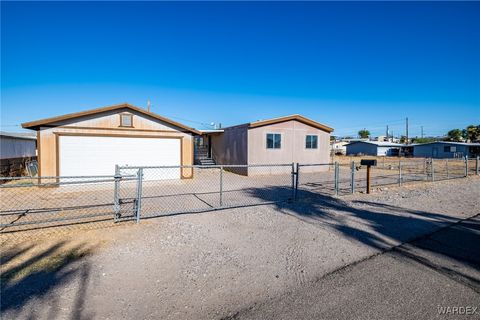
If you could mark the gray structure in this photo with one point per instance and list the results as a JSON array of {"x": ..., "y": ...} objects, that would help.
[
  {"x": 14, "y": 145},
  {"x": 446, "y": 149},
  {"x": 374, "y": 148},
  {"x": 15, "y": 150}
]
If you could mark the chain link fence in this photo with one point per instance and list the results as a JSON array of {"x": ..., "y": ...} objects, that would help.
[
  {"x": 29, "y": 203},
  {"x": 206, "y": 188},
  {"x": 135, "y": 193},
  {"x": 346, "y": 178}
]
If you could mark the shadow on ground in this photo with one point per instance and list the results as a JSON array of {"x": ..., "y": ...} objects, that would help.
[
  {"x": 454, "y": 251},
  {"x": 30, "y": 273}
]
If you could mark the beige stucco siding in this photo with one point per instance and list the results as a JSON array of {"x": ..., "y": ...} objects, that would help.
[
  {"x": 246, "y": 145},
  {"x": 108, "y": 125},
  {"x": 293, "y": 135}
]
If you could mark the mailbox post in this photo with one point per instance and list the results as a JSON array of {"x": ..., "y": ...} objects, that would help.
[{"x": 369, "y": 163}]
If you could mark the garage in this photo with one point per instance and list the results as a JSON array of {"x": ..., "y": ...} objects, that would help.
[
  {"x": 92, "y": 142},
  {"x": 98, "y": 155}
]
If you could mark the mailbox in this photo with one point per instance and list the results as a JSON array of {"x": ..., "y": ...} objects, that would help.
[{"x": 368, "y": 162}]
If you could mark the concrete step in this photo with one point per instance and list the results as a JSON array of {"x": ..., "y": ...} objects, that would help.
[{"x": 206, "y": 162}]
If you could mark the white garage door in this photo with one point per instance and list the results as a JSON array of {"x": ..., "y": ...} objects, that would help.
[{"x": 87, "y": 155}]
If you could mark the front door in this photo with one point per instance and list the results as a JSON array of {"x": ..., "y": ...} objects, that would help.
[
  {"x": 209, "y": 147},
  {"x": 435, "y": 152}
]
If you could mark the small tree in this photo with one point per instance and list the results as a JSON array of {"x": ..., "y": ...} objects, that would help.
[
  {"x": 364, "y": 134},
  {"x": 422, "y": 140},
  {"x": 471, "y": 133},
  {"x": 403, "y": 139},
  {"x": 455, "y": 135}
]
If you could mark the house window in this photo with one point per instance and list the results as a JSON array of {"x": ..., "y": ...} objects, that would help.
[
  {"x": 274, "y": 141},
  {"x": 126, "y": 120},
  {"x": 311, "y": 142},
  {"x": 449, "y": 149}
]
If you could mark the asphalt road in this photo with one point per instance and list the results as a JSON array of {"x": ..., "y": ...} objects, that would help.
[{"x": 434, "y": 277}]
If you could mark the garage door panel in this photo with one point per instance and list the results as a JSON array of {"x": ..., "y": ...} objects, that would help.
[{"x": 88, "y": 155}]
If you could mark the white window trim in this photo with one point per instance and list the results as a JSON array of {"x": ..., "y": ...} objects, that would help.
[
  {"x": 266, "y": 139},
  {"x": 305, "y": 144}
]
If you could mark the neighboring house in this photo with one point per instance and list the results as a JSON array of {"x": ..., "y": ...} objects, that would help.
[
  {"x": 92, "y": 142},
  {"x": 15, "y": 150},
  {"x": 275, "y": 141},
  {"x": 338, "y": 147},
  {"x": 373, "y": 148},
  {"x": 446, "y": 149}
]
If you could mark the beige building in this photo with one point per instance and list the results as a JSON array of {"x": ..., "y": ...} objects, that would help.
[
  {"x": 275, "y": 141},
  {"x": 92, "y": 142}
]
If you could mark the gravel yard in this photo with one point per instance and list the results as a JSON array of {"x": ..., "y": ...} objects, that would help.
[{"x": 210, "y": 265}]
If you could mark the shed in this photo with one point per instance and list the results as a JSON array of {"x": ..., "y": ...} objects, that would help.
[
  {"x": 373, "y": 148},
  {"x": 16, "y": 148},
  {"x": 92, "y": 142}
]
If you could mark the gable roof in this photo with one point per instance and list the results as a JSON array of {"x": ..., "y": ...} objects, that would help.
[
  {"x": 19, "y": 135},
  {"x": 379, "y": 143},
  {"x": 35, "y": 125},
  {"x": 469, "y": 144},
  {"x": 296, "y": 117}
]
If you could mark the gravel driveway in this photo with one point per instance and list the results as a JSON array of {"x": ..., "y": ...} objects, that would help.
[{"x": 210, "y": 265}]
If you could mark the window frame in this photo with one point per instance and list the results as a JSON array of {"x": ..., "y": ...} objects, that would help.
[
  {"x": 311, "y": 147},
  {"x": 122, "y": 122},
  {"x": 274, "y": 141}
]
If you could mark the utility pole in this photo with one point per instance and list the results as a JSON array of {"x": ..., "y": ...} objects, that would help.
[
  {"x": 148, "y": 105},
  {"x": 422, "y": 132},
  {"x": 406, "y": 124},
  {"x": 387, "y": 134}
]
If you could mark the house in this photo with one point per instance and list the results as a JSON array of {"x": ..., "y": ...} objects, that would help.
[
  {"x": 338, "y": 147},
  {"x": 274, "y": 141},
  {"x": 15, "y": 150},
  {"x": 92, "y": 142},
  {"x": 373, "y": 148},
  {"x": 446, "y": 149}
]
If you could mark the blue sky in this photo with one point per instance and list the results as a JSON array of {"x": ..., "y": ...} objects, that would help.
[{"x": 348, "y": 65}]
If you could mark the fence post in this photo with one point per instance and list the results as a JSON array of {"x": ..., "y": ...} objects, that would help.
[
  {"x": 433, "y": 171},
  {"x": 352, "y": 186},
  {"x": 116, "y": 194},
  {"x": 446, "y": 166},
  {"x": 139, "y": 194},
  {"x": 221, "y": 186},
  {"x": 466, "y": 166},
  {"x": 297, "y": 179},
  {"x": 336, "y": 178},
  {"x": 400, "y": 172},
  {"x": 478, "y": 165},
  {"x": 293, "y": 181}
]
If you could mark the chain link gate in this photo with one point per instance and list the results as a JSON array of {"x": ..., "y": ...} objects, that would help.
[
  {"x": 152, "y": 191},
  {"x": 127, "y": 193}
]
